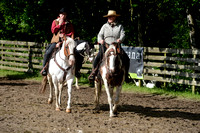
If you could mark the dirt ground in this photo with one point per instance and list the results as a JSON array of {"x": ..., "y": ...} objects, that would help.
[{"x": 23, "y": 109}]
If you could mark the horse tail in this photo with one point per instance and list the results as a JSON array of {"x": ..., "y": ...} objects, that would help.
[{"x": 43, "y": 85}]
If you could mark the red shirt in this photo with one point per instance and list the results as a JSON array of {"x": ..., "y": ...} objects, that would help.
[{"x": 68, "y": 31}]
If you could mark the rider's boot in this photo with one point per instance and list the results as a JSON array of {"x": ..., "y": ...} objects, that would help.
[
  {"x": 44, "y": 71},
  {"x": 45, "y": 64}
]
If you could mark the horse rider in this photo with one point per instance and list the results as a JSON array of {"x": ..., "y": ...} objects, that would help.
[
  {"x": 60, "y": 27},
  {"x": 110, "y": 32}
]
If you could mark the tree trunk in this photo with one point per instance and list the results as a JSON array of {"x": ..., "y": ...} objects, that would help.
[
  {"x": 131, "y": 9},
  {"x": 191, "y": 25},
  {"x": 140, "y": 31}
]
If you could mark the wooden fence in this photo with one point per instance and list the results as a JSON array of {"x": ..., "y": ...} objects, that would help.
[
  {"x": 180, "y": 66},
  {"x": 21, "y": 56}
]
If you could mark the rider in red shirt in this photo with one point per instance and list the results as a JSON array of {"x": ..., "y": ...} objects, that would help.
[{"x": 60, "y": 27}]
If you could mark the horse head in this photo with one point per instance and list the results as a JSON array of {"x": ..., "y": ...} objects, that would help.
[
  {"x": 85, "y": 49},
  {"x": 90, "y": 51},
  {"x": 112, "y": 58},
  {"x": 69, "y": 45}
]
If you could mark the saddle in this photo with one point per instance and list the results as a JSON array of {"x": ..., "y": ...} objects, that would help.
[{"x": 52, "y": 55}]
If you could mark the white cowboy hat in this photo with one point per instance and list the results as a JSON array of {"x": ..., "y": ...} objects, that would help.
[{"x": 111, "y": 13}]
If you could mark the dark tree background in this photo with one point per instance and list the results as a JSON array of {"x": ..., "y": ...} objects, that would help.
[{"x": 152, "y": 23}]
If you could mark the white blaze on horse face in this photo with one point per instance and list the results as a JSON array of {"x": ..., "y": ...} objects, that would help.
[
  {"x": 71, "y": 45},
  {"x": 81, "y": 46},
  {"x": 112, "y": 62},
  {"x": 91, "y": 56}
]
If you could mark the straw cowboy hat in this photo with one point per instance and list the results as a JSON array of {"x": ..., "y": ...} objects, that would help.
[{"x": 111, "y": 13}]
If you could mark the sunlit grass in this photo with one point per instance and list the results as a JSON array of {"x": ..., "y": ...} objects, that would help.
[
  {"x": 160, "y": 91},
  {"x": 20, "y": 75},
  {"x": 127, "y": 87}
]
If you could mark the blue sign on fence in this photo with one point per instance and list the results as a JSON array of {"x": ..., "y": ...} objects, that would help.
[{"x": 135, "y": 55}]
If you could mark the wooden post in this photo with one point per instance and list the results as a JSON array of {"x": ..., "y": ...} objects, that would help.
[
  {"x": 193, "y": 86},
  {"x": 2, "y": 52},
  {"x": 140, "y": 83},
  {"x": 165, "y": 55},
  {"x": 29, "y": 59}
]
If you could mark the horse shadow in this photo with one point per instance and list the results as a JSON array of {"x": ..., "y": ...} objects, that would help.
[
  {"x": 154, "y": 112},
  {"x": 13, "y": 84}
]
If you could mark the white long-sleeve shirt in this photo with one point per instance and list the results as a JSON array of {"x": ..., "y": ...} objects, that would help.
[{"x": 110, "y": 34}]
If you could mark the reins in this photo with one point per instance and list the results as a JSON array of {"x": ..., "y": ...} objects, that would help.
[{"x": 67, "y": 55}]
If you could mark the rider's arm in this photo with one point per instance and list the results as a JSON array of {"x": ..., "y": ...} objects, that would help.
[
  {"x": 55, "y": 28},
  {"x": 122, "y": 34},
  {"x": 101, "y": 35}
]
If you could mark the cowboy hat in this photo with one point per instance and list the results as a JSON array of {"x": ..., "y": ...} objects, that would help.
[
  {"x": 63, "y": 10},
  {"x": 111, "y": 13}
]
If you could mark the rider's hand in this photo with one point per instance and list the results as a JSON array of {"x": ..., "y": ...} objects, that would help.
[
  {"x": 119, "y": 41},
  {"x": 61, "y": 35},
  {"x": 61, "y": 19},
  {"x": 58, "y": 44},
  {"x": 101, "y": 42}
]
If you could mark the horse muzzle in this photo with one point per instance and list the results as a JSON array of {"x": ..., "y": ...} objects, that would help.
[{"x": 71, "y": 60}]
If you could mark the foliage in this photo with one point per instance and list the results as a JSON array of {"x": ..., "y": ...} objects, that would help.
[{"x": 164, "y": 22}]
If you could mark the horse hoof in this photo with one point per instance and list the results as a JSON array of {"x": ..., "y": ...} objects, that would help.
[
  {"x": 58, "y": 109},
  {"x": 68, "y": 110},
  {"x": 113, "y": 115},
  {"x": 115, "y": 112},
  {"x": 50, "y": 101}
]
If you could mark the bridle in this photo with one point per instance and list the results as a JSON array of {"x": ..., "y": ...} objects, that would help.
[
  {"x": 116, "y": 52},
  {"x": 86, "y": 54},
  {"x": 67, "y": 54}
]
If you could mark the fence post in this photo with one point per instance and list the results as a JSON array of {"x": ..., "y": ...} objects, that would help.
[
  {"x": 30, "y": 70},
  {"x": 2, "y": 52},
  {"x": 165, "y": 55},
  {"x": 193, "y": 79}
]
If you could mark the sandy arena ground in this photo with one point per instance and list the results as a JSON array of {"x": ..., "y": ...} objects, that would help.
[{"x": 23, "y": 109}]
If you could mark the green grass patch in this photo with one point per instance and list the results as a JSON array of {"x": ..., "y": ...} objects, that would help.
[
  {"x": 127, "y": 87},
  {"x": 20, "y": 75},
  {"x": 160, "y": 91}
]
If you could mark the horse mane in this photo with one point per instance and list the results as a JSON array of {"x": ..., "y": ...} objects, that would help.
[{"x": 70, "y": 40}]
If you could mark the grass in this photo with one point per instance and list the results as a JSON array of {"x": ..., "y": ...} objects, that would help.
[
  {"x": 161, "y": 91},
  {"x": 20, "y": 75},
  {"x": 127, "y": 87}
]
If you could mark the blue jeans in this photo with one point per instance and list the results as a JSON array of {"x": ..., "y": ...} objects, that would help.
[{"x": 48, "y": 53}]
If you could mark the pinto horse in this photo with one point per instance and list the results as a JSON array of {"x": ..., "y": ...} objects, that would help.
[
  {"x": 82, "y": 50},
  {"x": 61, "y": 70},
  {"x": 111, "y": 74}
]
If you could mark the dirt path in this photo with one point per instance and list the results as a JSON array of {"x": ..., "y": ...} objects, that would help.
[{"x": 22, "y": 109}]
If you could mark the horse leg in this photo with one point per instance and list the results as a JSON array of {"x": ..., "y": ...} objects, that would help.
[
  {"x": 69, "y": 85},
  {"x": 109, "y": 98},
  {"x": 56, "y": 94},
  {"x": 118, "y": 91},
  {"x": 60, "y": 87},
  {"x": 50, "y": 100},
  {"x": 98, "y": 86},
  {"x": 77, "y": 87}
]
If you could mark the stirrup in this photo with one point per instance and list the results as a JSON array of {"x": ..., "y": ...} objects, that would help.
[
  {"x": 43, "y": 72},
  {"x": 91, "y": 77}
]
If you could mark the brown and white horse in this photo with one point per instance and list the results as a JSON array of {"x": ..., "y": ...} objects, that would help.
[
  {"x": 61, "y": 70},
  {"x": 111, "y": 74}
]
